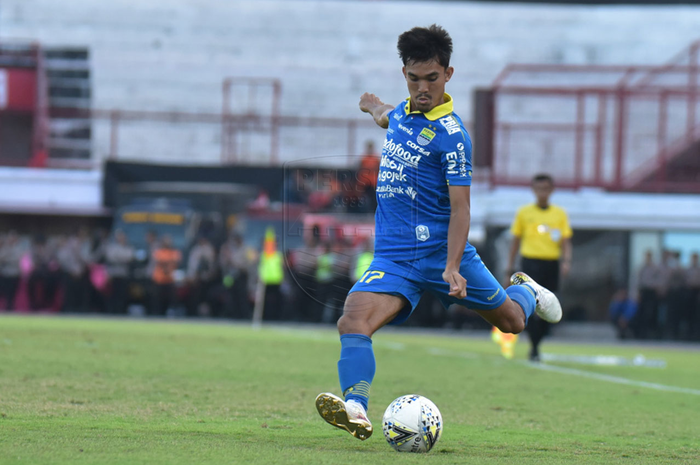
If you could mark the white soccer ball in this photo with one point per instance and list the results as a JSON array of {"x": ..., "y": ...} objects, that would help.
[{"x": 412, "y": 423}]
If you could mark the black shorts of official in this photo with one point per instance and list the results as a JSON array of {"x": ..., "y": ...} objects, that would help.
[{"x": 545, "y": 272}]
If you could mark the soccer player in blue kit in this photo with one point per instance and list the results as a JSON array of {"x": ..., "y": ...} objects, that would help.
[{"x": 422, "y": 224}]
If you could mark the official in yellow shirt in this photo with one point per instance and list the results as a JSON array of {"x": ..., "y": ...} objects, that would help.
[{"x": 542, "y": 234}]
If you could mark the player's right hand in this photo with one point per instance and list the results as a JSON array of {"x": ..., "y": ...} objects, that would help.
[
  {"x": 458, "y": 285},
  {"x": 368, "y": 102}
]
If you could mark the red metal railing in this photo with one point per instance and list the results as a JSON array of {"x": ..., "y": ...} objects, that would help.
[
  {"x": 614, "y": 127},
  {"x": 213, "y": 138}
]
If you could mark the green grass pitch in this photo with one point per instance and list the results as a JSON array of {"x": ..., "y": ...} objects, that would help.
[{"x": 157, "y": 392}]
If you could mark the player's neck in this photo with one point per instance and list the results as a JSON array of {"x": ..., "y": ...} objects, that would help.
[{"x": 544, "y": 205}]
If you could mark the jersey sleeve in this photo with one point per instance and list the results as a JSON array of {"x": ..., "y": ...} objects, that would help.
[
  {"x": 456, "y": 153},
  {"x": 516, "y": 229}
]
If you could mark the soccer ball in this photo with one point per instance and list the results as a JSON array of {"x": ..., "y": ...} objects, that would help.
[{"x": 412, "y": 423}]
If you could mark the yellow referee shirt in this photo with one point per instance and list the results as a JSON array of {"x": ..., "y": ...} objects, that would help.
[{"x": 541, "y": 231}]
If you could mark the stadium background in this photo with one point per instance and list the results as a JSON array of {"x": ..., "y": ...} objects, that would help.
[{"x": 250, "y": 91}]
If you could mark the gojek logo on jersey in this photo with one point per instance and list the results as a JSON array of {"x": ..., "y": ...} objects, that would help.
[
  {"x": 392, "y": 171},
  {"x": 397, "y": 151}
]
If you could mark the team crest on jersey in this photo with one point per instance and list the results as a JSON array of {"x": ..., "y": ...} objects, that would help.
[
  {"x": 422, "y": 232},
  {"x": 425, "y": 136}
]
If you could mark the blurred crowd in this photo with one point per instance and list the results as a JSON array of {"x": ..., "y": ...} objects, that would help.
[
  {"x": 94, "y": 272},
  {"x": 337, "y": 191},
  {"x": 667, "y": 305}
]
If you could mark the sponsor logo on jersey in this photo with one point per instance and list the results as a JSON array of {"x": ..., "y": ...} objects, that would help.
[
  {"x": 460, "y": 146},
  {"x": 451, "y": 162},
  {"x": 450, "y": 124},
  {"x": 418, "y": 148},
  {"x": 411, "y": 192},
  {"x": 422, "y": 232},
  {"x": 405, "y": 129},
  {"x": 389, "y": 190},
  {"x": 425, "y": 136},
  {"x": 394, "y": 150},
  {"x": 392, "y": 172},
  {"x": 389, "y": 131},
  {"x": 397, "y": 117}
]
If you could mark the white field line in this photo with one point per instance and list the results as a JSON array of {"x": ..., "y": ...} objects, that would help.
[
  {"x": 540, "y": 366},
  {"x": 575, "y": 372},
  {"x": 612, "y": 379}
]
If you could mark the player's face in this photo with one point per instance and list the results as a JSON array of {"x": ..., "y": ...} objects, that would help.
[
  {"x": 426, "y": 83},
  {"x": 542, "y": 190}
]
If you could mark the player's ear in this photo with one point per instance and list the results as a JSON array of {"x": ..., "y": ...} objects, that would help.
[
  {"x": 403, "y": 70},
  {"x": 448, "y": 73}
]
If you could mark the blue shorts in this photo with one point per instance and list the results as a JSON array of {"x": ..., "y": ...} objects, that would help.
[{"x": 411, "y": 279}]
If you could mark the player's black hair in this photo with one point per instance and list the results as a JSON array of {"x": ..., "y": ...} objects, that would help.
[
  {"x": 543, "y": 177},
  {"x": 422, "y": 44}
]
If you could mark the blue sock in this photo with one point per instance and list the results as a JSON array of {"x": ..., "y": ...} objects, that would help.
[
  {"x": 523, "y": 295},
  {"x": 356, "y": 367}
]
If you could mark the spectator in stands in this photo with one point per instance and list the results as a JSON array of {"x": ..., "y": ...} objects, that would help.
[
  {"x": 367, "y": 174},
  {"x": 11, "y": 252},
  {"x": 96, "y": 247},
  {"x": 119, "y": 256},
  {"x": 236, "y": 260},
  {"x": 648, "y": 283},
  {"x": 271, "y": 276},
  {"x": 675, "y": 296},
  {"x": 666, "y": 270},
  {"x": 363, "y": 259},
  {"x": 542, "y": 235},
  {"x": 44, "y": 276},
  {"x": 73, "y": 258},
  {"x": 303, "y": 270},
  {"x": 166, "y": 260},
  {"x": 341, "y": 263},
  {"x": 622, "y": 311},
  {"x": 692, "y": 279},
  {"x": 298, "y": 189},
  {"x": 201, "y": 275},
  {"x": 144, "y": 257},
  {"x": 324, "y": 283}
]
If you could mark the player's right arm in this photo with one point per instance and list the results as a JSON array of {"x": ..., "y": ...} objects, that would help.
[{"x": 370, "y": 103}]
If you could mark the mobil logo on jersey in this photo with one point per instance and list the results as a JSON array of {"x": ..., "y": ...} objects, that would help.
[
  {"x": 391, "y": 171},
  {"x": 396, "y": 151},
  {"x": 451, "y": 124}
]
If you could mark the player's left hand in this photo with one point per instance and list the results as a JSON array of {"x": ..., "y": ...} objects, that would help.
[
  {"x": 458, "y": 285},
  {"x": 565, "y": 269}
]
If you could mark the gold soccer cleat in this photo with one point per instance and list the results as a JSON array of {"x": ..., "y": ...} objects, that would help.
[{"x": 350, "y": 416}]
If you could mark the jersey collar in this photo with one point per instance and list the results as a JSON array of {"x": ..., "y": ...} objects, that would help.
[{"x": 437, "y": 112}]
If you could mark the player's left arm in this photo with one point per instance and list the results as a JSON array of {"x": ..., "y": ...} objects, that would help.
[
  {"x": 457, "y": 168},
  {"x": 457, "y": 234}
]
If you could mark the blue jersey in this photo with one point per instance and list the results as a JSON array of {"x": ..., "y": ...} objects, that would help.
[{"x": 423, "y": 153}]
